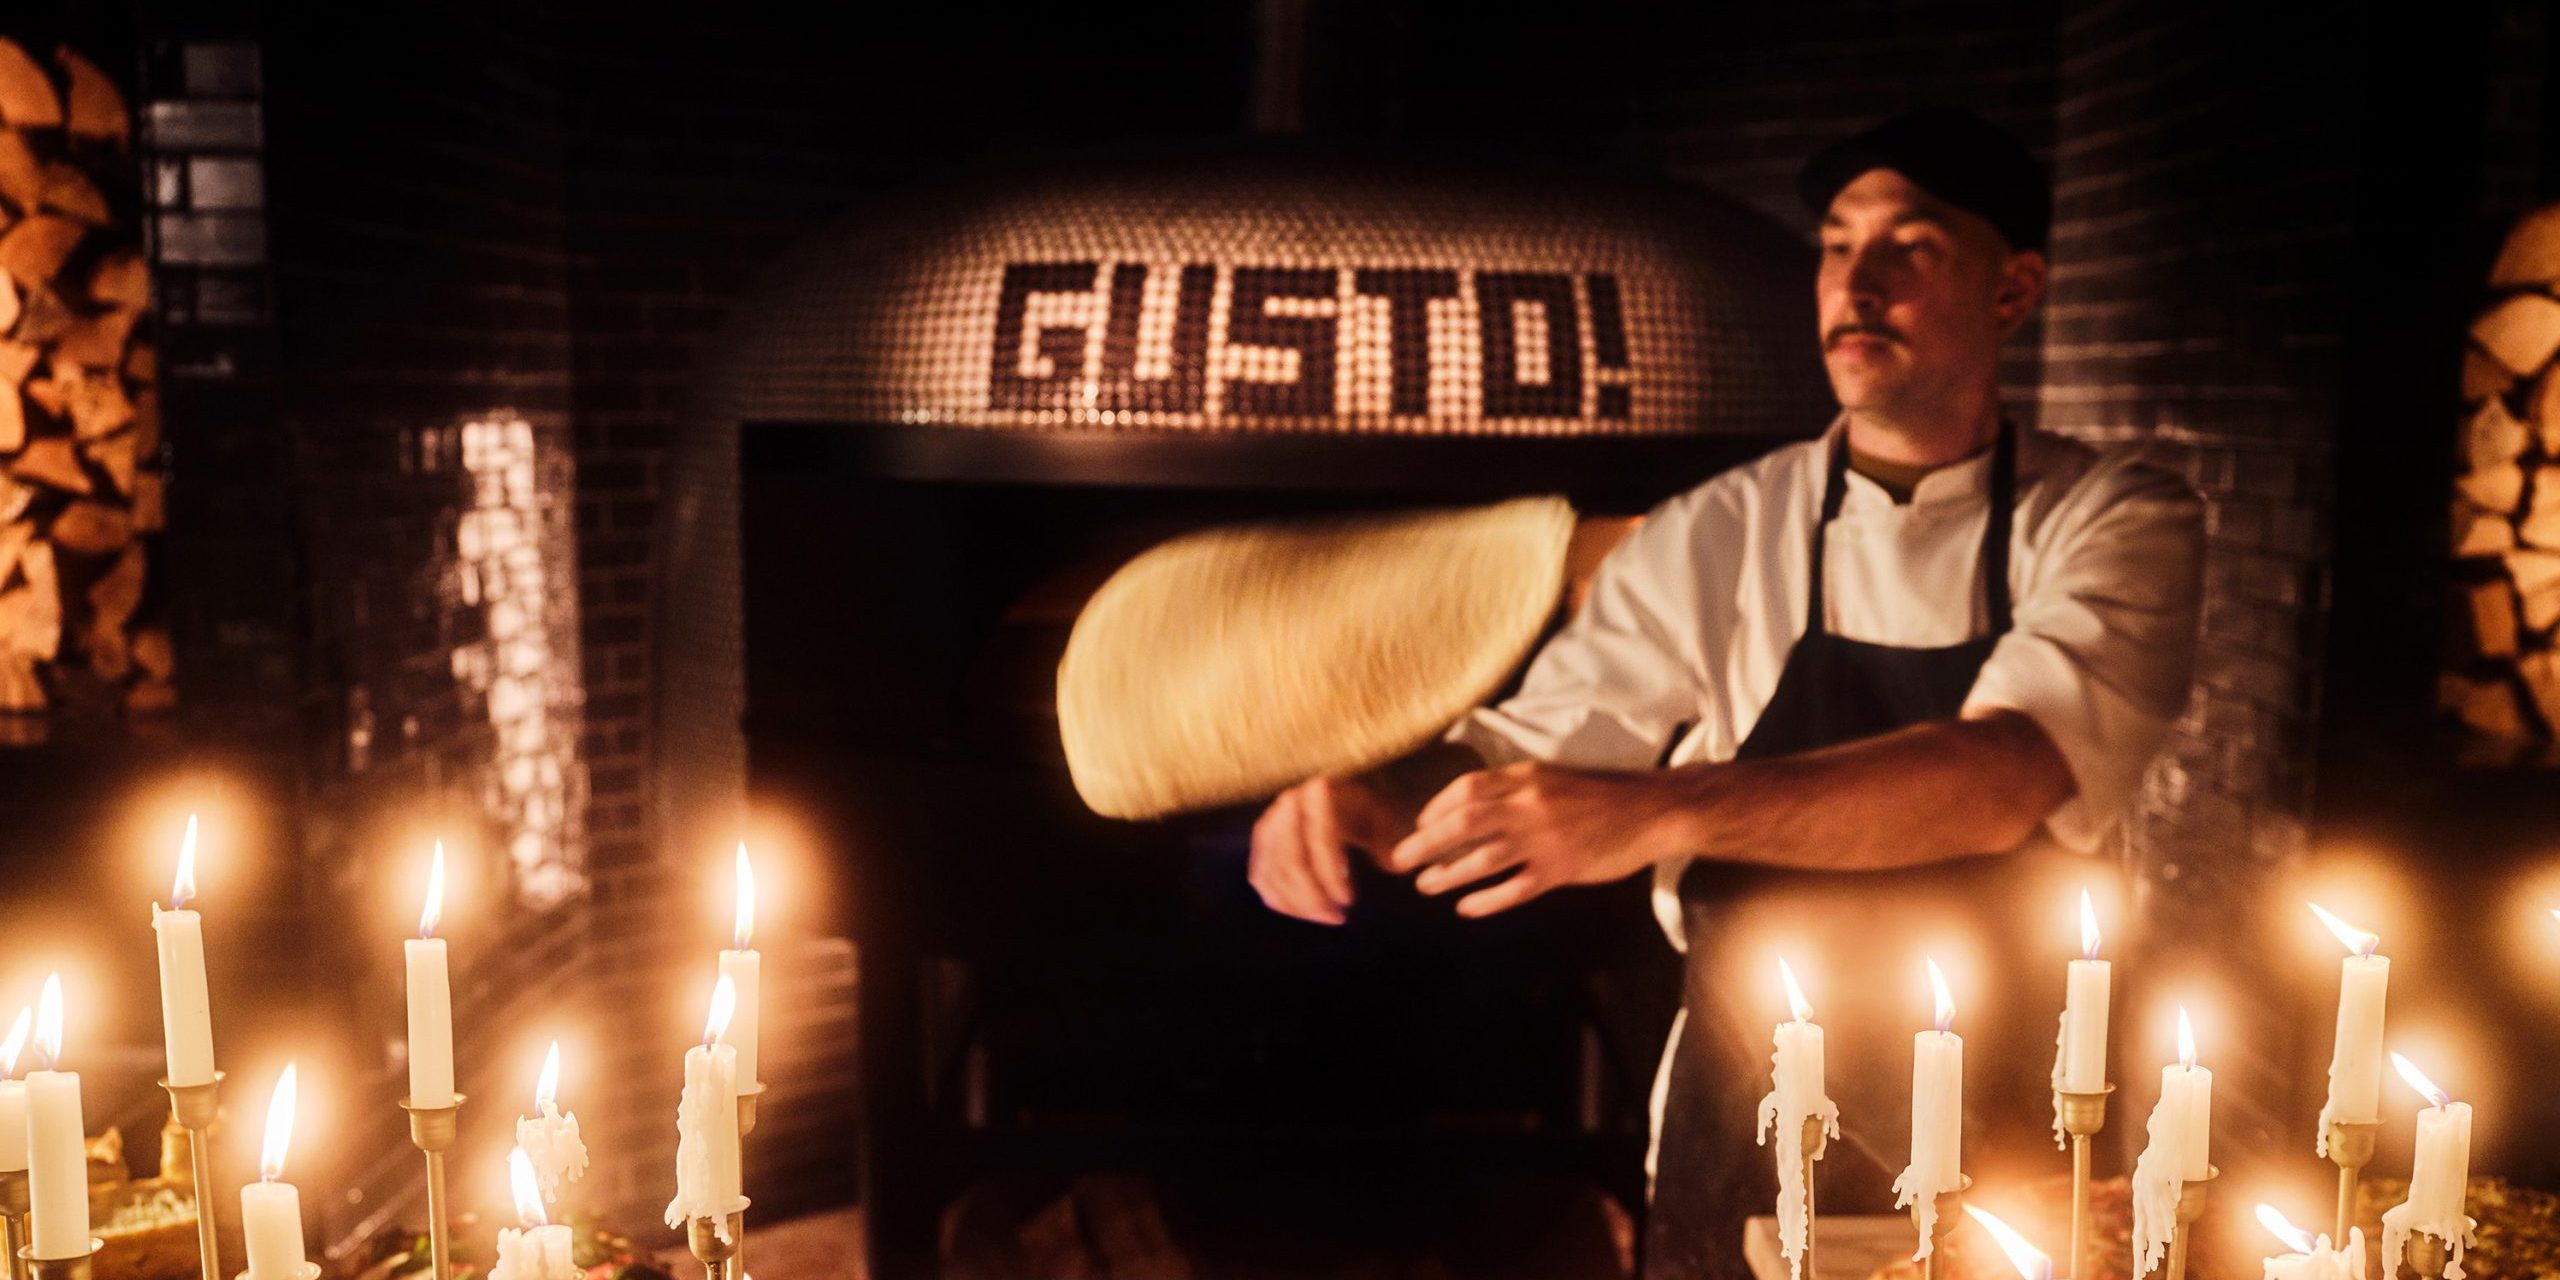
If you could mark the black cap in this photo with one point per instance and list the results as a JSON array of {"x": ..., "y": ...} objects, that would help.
[{"x": 1952, "y": 154}]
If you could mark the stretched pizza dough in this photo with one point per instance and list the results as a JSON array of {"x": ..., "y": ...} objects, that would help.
[{"x": 1226, "y": 665}]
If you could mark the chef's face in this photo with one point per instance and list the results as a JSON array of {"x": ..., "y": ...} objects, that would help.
[{"x": 1915, "y": 296}]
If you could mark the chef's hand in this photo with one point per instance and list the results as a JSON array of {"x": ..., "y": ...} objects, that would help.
[
  {"x": 1301, "y": 845},
  {"x": 1547, "y": 824}
]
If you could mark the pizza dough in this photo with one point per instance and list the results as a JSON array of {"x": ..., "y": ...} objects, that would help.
[{"x": 1226, "y": 665}]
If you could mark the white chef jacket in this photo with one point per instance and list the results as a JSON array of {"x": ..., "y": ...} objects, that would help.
[{"x": 1690, "y": 620}]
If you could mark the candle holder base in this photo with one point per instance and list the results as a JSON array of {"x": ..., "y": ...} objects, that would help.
[
  {"x": 72, "y": 1268},
  {"x": 2082, "y": 1116},
  {"x": 2427, "y": 1256},
  {"x": 432, "y": 1130},
  {"x": 747, "y": 1099},
  {"x": 307, "y": 1271},
  {"x": 196, "y": 1107},
  {"x": 1949, "y": 1206},
  {"x": 2350, "y": 1145},
  {"x": 14, "y": 1203},
  {"x": 718, "y": 1257},
  {"x": 2192, "y": 1195}
]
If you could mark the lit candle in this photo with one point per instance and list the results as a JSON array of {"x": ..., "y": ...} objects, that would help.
[
  {"x": 2032, "y": 1263},
  {"x": 57, "y": 1153},
  {"x": 186, "y": 1012},
  {"x": 2180, "y": 1149},
  {"x": 549, "y": 1137},
  {"x": 2439, "y": 1179},
  {"x": 430, "y": 1003},
  {"x": 540, "y": 1250},
  {"x": 13, "y": 1096},
  {"x": 1795, "y": 1096},
  {"x": 707, "y": 1179},
  {"x": 745, "y": 970},
  {"x": 1937, "y": 1116},
  {"x": 270, "y": 1208},
  {"x": 2311, "y": 1259},
  {"x": 2355, "y": 1064}
]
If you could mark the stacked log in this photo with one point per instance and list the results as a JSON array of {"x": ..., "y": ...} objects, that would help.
[{"x": 81, "y": 488}]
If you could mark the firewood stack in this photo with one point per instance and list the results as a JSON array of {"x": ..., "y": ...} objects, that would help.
[{"x": 80, "y": 479}]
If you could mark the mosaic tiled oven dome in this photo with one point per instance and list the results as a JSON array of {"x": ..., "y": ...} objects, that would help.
[{"x": 1254, "y": 293}]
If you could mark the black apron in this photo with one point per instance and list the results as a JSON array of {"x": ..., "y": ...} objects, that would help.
[{"x": 1857, "y": 937}]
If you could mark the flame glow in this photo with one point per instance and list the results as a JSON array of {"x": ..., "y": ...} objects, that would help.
[
  {"x": 2284, "y": 1230},
  {"x": 1795, "y": 994},
  {"x": 2418, "y": 1080},
  {"x": 2088, "y": 928},
  {"x": 49, "y": 1022},
  {"x": 1938, "y": 990},
  {"x": 724, "y": 1002},
  {"x": 2186, "y": 1040},
  {"x": 16, "y": 1043},
  {"x": 546, "y": 1088},
  {"x": 184, "y": 890},
  {"x": 746, "y": 930},
  {"x": 279, "y": 1127},
  {"x": 2031, "y": 1262},
  {"x": 2357, "y": 940},
  {"x": 435, "y": 895},
  {"x": 528, "y": 1192}
]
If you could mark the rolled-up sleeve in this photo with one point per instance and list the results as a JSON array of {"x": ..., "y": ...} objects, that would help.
[
  {"x": 1612, "y": 688},
  {"x": 2102, "y": 645}
]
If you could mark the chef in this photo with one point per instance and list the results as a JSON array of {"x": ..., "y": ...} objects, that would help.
[{"x": 1838, "y": 687}]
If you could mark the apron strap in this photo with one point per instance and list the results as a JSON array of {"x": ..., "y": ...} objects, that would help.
[{"x": 1995, "y": 532}]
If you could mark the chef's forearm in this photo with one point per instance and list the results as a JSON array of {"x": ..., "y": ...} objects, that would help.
[{"x": 1928, "y": 793}]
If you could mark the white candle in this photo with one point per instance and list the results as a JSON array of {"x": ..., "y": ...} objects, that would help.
[
  {"x": 2355, "y": 1061},
  {"x": 430, "y": 1003},
  {"x": 549, "y": 1137},
  {"x": 186, "y": 1011},
  {"x": 1796, "y": 1095},
  {"x": 2439, "y": 1178},
  {"x": 1937, "y": 1116},
  {"x": 57, "y": 1153},
  {"x": 2032, "y": 1263},
  {"x": 745, "y": 970},
  {"x": 2180, "y": 1149},
  {"x": 540, "y": 1250},
  {"x": 270, "y": 1208},
  {"x": 2311, "y": 1259},
  {"x": 13, "y": 1097},
  {"x": 707, "y": 1177},
  {"x": 2081, "y": 1066}
]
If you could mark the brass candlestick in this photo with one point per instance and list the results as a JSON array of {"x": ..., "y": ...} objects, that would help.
[
  {"x": 13, "y": 1219},
  {"x": 432, "y": 1130},
  {"x": 307, "y": 1271},
  {"x": 2191, "y": 1197},
  {"x": 1950, "y": 1210},
  {"x": 72, "y": 1268},
  {"x": 719, "y": 1258},
  {"x": 195, "y": 1107},
  {"x": 2351, "y": 1149},
  {"x": 747, "y": 1100},
  {"x": 2427, "y": 1256},
  {"x": 2083, "y": 1115}
]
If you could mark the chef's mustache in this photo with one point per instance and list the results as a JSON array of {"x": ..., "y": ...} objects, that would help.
[{"x": 1855, "y": 329}]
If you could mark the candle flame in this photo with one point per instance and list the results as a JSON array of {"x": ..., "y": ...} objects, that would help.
[
  {"x": 746, "y": 930},
  {"x": 435, "y": 895},
  {"x": 2031, "y": 1262},
  {"x": 1795, "y": 994},
  {"x": 1938, "y": 990},
  {"x": 528, "y": 1192},
  {"x": 546, "y": 1089},
  {"x": 2186, "y": 1040},
  {"x": 49, "y": 1022},
  {"x": 16, "y": 1043},
  {"x": 279, "y": 1127},
  {"x": 2418, "y": 1080},
  {"x": 2088, "y": 928},
  {"x": 2357, "y": 940},
  {"x": 724, "y": 1002},
  {"x": 184, "y": 890},
  {"x": 2284, "y": 1230}
]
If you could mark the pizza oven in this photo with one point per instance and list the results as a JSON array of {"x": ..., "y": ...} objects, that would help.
[{"x": 938, "y": 427}]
